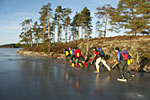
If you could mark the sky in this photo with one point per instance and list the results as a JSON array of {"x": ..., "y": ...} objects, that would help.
[{"x": 13, "y": 12}]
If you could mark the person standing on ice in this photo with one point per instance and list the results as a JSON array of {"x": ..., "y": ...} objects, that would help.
[
  {"x": 122, "y": 58},
  {"x": 72, "y": 56},
  {"x": 79, "y": 57},
  {"x": 99, "y": 55}
]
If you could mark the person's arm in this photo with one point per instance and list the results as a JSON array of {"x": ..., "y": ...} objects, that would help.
[
  {"x": 96, "y": 53},
  {"x": 118, "y": 60},
  {"x": 115, "y": 64},
  {"x": 118, "y": 56},
  {"x": 64, "y": 52}
]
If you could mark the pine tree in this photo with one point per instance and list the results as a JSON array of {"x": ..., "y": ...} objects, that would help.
[
  {"x": 26, "y": 35},
  {"x": 37, "y": 31},
  {"x": 98, "y": 29},
  {"x": 76, "y": 23},
  {"x": 74, "y": 30},
  {"x": 53, "y": 26},
  {"x": 45, "y": 22},
  {"x": 53, "y": 29},
  {"x": 127, "y": 16},
  {"x": 58, "y": 18},
  {"x": 42, "y": 19},
  {"x": 85, "y": 21},
  {"x": 66, "y": 20},
  {"x": 143, "y": 12},
  {"x": 103, "y": 14}
]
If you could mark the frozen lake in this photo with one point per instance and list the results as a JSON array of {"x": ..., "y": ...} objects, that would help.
[{"x": 26, "y": 78}]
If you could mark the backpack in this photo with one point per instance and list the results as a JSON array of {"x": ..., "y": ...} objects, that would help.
[
  {"x": 78, "y": 53},
  {"x": 72, "y": 52},
  {"x": 130, "y": 61},
  {"x": 67, "y": 53},
  {"x": 100, "y": 51},
  {"x": 125, "y": 55}
]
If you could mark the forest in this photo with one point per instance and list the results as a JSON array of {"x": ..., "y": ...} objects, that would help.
[{"x": 56, "y": 26}]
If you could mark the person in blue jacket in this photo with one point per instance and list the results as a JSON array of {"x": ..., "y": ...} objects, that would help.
[
  {"x": 72, "y": 56},
  {"x": 123, "y": 66}
]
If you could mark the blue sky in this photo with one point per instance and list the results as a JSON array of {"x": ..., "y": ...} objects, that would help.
[{"x": 13, "y": 12}]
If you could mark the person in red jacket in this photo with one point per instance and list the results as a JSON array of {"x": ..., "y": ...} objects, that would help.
[
  {"x": 99, "y": 60},
  {"x": 78, "y": 55}
]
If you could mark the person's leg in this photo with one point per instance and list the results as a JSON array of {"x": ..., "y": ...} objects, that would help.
[
  {"x": 71, "y": 58},
  {"x": 66, "y": 59},
  {"x": 121, "y": 67},
  {"x": 77, "y": 62},
  {"x": 97, "y": 63},
  {"x": 80, "y": 62},
  {"x": 84, "y": 62},
  {"x": 73, "y": 61},
  {"x": 127, "y": 70},
  {"x": 105, "y": 64}
]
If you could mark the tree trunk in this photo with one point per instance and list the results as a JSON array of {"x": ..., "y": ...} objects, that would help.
[
  {"x": 88, "y": 46},
  {"x": 54, "y": 34},
  {"x": 49, "y": 42},
  {"x": 31, "y": 42},
  {"x": 78, "y": 32},
  {"x": 134, "y": 32},
  {"x": 82, "y": 32},
  {"x": 44, "y": 31},
  {"x": 105, "y": 26},
  {"x": 37, "y": 43},
  {"x": 85, "y": 32},
  {"x": 73, "y": 35},
  {"x": 65, "y": 33},
  {"x": 58, "y": 34}
]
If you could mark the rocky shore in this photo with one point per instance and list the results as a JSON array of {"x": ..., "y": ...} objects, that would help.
[
  {"x": 40, "y": 54},
  {"x": 139, "y": 47}
]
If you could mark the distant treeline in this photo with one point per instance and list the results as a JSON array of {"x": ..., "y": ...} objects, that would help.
[
  {"x": 132, "y": 16},
  {"x": 12, "y": 45}
]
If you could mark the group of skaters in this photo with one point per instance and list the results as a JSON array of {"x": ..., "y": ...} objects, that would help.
[{"x": 78, "y": 61}]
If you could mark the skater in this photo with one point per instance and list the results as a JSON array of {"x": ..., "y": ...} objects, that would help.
[
  {"x": 100, "y": 59},
  {"x": 67, "y": 54},
  {"x": 72, "y": 56},
  {"x": 122, "y": 57},
  {"x": 79, "y": 58},
  {"x": 87, "y": 60}
]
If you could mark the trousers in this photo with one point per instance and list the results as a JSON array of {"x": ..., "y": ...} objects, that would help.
[{"x": 98, "y": 61}]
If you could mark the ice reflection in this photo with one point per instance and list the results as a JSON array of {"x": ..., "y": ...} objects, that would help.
[{"x": 101, "y": 83}]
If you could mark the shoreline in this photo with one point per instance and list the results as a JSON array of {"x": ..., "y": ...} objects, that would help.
[
  {"x": 55, "y": 56},
  {"x": 41, "y": 54},
  {"x": 138, "y": 47}
]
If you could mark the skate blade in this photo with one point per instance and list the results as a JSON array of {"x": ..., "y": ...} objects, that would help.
[
  {"x": 131, "y": 78},
  {"x": 96, "y": 72},
  {"x": 122, "y": 80}
]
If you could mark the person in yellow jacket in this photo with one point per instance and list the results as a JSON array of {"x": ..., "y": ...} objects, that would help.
[{"x": 67, "y": 54}]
